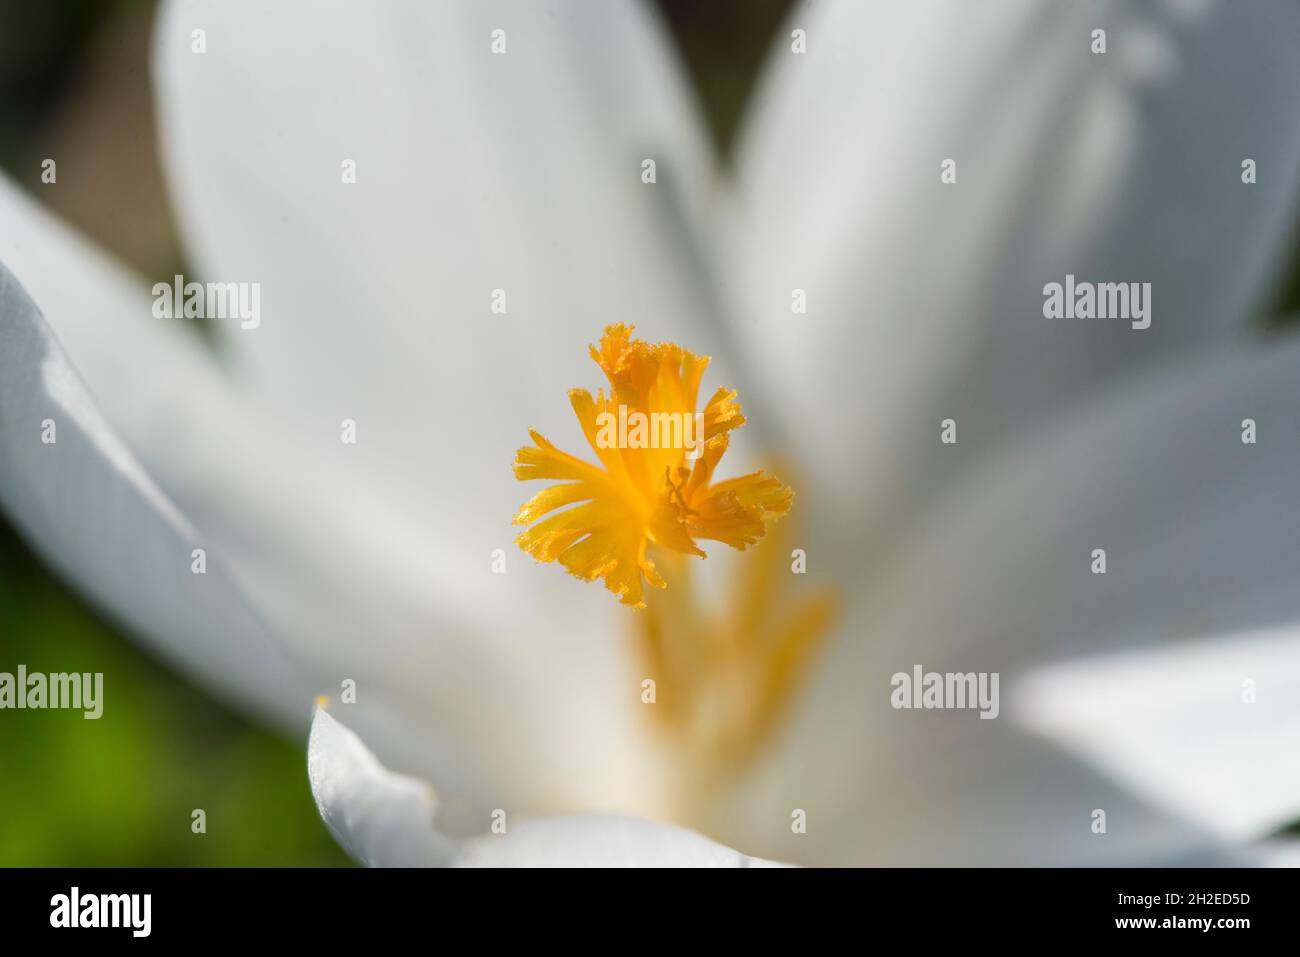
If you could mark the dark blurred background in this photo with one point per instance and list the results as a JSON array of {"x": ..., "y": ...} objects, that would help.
[{"x": 74, "y": 84}]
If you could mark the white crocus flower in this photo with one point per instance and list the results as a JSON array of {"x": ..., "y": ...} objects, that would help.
[{"x": 521, "y": 171}]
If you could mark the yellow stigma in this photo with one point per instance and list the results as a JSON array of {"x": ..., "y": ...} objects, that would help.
[{"x": 644, "y": 491}]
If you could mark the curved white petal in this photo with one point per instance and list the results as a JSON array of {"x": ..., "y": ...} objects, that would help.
[
  {"x": 1198, "y": 526},
  {"x": 1281, "y": 852},
  {"x": 475, "y": 171},
  {"x": 156, "y": 383},
  {"x": 924, "y": 299},
  {"x": 353, "y": 587},
  {"x": 1208, "y": 730},
  {"x": 381, "y": 818},
  {"x": 879, "y": 786},
  {"x": 1200, "y": 534},
  {"x": 386, "y": 819},
  {"x": 86, "y": 505},
  {"x": 599, "y": 841},
  {"x": 260, "y": 494}
]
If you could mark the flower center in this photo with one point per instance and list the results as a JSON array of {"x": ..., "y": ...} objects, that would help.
[
  {"x": 655, "y": 481},
  {"x": 723, "y": 672},
  {"x": 727, "y": 668}
]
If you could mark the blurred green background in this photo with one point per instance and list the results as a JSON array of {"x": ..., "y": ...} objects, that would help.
[{"x": 74, "y": 81}]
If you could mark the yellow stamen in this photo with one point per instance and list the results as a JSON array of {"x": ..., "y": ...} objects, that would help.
[
  {"x": 726, "y": 672},
  {"x": 640, "y": 496}
]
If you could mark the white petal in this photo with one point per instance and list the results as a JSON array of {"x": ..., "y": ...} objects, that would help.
[
  {"x": 88, "y": 507},
  {"x": 346, "y": 579},
  {"x": 475, "y": 172},
  {"x": 1200, "y": 534},
  {"x": 940, "y": 788},
  {"x": 352, "y": 590},
  {"x": 1197, "y": 526},
  {"x": 1281, "y": 852},
  {"x": 596, "y": 841},
  {"x": 259, "y": 493},
  {"x": 388, "y": 819},
  {"x": 924, "y": 298},
  {"x": 154, "y": 381},
  {"x": 1183, "y": 728},
  {"x": 382, "y": 819}
]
